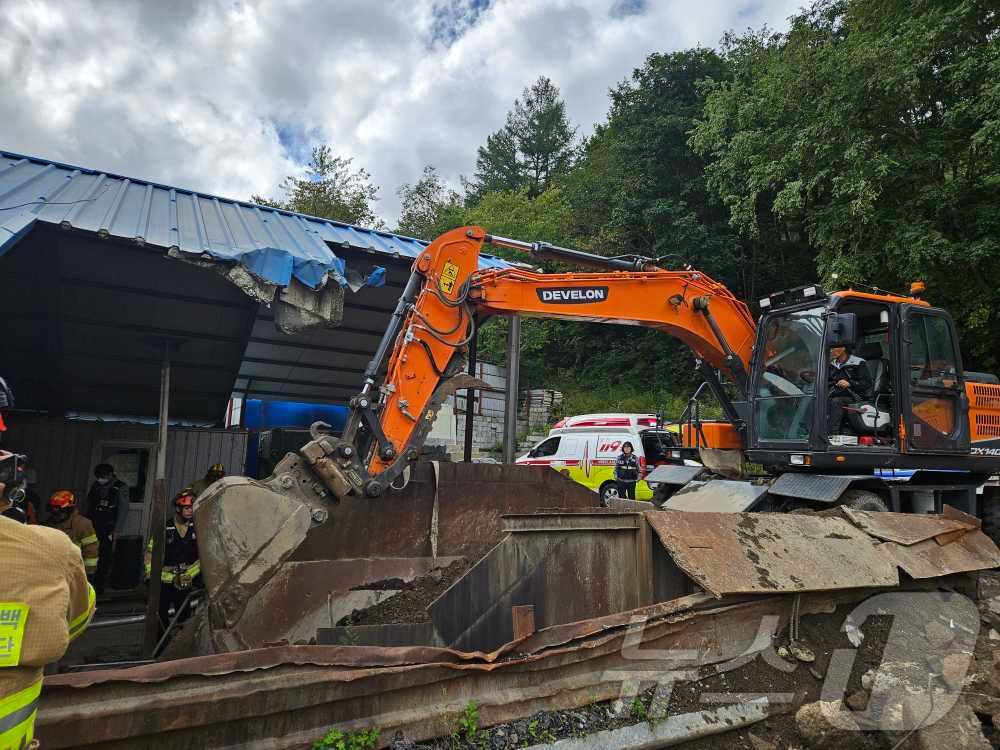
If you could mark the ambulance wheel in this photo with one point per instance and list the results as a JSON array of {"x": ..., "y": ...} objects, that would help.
[
  {"x": 863, "y": 500},
  {"x": 609, "y": 493}
]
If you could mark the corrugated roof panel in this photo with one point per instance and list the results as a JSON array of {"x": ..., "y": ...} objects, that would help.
[{"x": 274, "y": 244}]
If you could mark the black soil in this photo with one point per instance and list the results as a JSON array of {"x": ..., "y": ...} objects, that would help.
[{"x": 410, "y": 604}]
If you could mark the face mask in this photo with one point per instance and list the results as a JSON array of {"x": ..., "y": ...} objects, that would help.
[{"x": 103, "y": 480}]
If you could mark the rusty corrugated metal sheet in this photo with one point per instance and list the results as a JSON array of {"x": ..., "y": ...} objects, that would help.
[
  {"x": 930, "y": 558},
  {"x": 761, "y": 553},
  {"x": 288, "y": 697},
  {"x": 904, "y": 528}
]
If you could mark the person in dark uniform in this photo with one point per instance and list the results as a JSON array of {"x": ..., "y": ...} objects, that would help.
[
  {"x": 181, "y": 570},
  {"x": 849, "y": 382},
  {"x": 627, "y": 471},
  {"x": 107, "y": 508}
]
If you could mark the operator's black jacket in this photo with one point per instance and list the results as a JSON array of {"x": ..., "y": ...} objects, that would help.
[
  {"x": 627, "y": 468},
  {"x": 855, "y": 372}
]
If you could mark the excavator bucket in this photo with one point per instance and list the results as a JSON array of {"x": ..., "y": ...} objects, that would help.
[{"x": 278, "y": 566}]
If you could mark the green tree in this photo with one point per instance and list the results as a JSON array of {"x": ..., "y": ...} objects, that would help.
[
  {"x": 497, "y": 166},
  {"x": 330, "y": 190},
  {"x": 870, "y": 132},
  {"x": 641, "y": 188},
  {"x": 533, "y": 149},
  {"x": 424, "y": 204}
]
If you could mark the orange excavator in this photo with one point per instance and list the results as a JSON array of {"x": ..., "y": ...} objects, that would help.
[{"x": 787, "y": 437}]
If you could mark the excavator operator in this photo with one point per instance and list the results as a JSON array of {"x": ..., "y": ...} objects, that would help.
[{"x": 849, "y": 382}]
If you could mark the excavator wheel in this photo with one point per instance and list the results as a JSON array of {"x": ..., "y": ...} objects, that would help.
[
  {"x": 863, "y": 500},
  {"x": 990, "y": 513}
]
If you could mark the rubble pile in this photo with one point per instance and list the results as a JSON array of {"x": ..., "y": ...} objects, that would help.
[{"x": 882, "y": 703}]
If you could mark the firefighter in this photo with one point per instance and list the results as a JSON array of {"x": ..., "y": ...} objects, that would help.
[
  {"x": 107, "y": 507},
  {"x": 45, "y": 602},
  {"x": 627, "y": 471},
  {"x": 63, "y": 516},
  {"x": 214, "y": 474},
  {"x": 181, "y": 570}
]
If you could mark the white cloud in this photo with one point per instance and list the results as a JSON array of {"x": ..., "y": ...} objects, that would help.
[{"x": 199, "y": 94}]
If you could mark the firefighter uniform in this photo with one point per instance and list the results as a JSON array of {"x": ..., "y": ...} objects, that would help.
[
  {"x": 81, "y": 532},
  {"x": 45, "y": 602},
  {"x": 181, "y": 570}
]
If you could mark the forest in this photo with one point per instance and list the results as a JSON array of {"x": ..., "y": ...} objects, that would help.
[{"x": 861, "y": 147}]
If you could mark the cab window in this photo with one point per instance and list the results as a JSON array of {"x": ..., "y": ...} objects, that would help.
[
  {"x": 932, "y": 352},
  {"x": 783, "y": 408},
  {"x": 546, "y": 448}
]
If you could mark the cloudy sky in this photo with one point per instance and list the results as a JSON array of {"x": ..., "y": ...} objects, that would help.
[{"x": 228, "y": 96}]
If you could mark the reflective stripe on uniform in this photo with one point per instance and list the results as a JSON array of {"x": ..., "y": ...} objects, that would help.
[
  {"x": 79, "y": 623},
  {"x": 167, "y": 575},
  {"x": 90, "y": 562},
  {"x": 92, "y": 539},
  {"x": 194, "y": 568},
  {"x": 13, "y": 618},
  {"x": 17, "y": 716}
]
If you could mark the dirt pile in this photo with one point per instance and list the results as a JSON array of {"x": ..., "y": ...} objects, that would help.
[{"x": 410, "y": 604}]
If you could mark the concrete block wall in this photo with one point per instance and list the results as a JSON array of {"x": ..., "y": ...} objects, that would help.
[{"x": 534, "y": 413}]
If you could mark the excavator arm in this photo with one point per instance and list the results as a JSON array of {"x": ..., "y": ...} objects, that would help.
[{"x": 422, "y": 351}]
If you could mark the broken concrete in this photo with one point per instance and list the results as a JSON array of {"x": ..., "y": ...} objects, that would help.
[{"x": 827, "y": 725}]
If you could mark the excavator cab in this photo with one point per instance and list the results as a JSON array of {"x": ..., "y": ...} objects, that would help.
[{"x": 913, "y": 401}]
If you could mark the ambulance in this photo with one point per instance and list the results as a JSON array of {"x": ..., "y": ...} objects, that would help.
[{"x": 585, "y": 447}]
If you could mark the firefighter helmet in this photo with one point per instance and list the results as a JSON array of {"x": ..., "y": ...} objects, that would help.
[
  {"x": 62, "y": 500},
  {"x": 184, "y": 500}
]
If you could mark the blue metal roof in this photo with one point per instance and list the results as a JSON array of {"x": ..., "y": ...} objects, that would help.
[{"x": 273, "y": 244}]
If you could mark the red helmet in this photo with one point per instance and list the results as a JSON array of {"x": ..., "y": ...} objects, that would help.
[
  {"x": 62, "y": 500},
  {"x": 184, "y": 500}
]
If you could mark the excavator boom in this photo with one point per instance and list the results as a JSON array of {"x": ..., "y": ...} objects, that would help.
[{"x": 423, "y": 348}]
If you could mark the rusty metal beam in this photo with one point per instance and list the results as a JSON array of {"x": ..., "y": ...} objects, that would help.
[{"x": 287, "y": 697}]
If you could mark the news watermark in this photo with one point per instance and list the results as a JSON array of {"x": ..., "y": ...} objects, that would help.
[{"x": 911, "y": 678}]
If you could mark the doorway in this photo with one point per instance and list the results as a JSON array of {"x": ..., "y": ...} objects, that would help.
[{"x": 133, "y": 464}]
